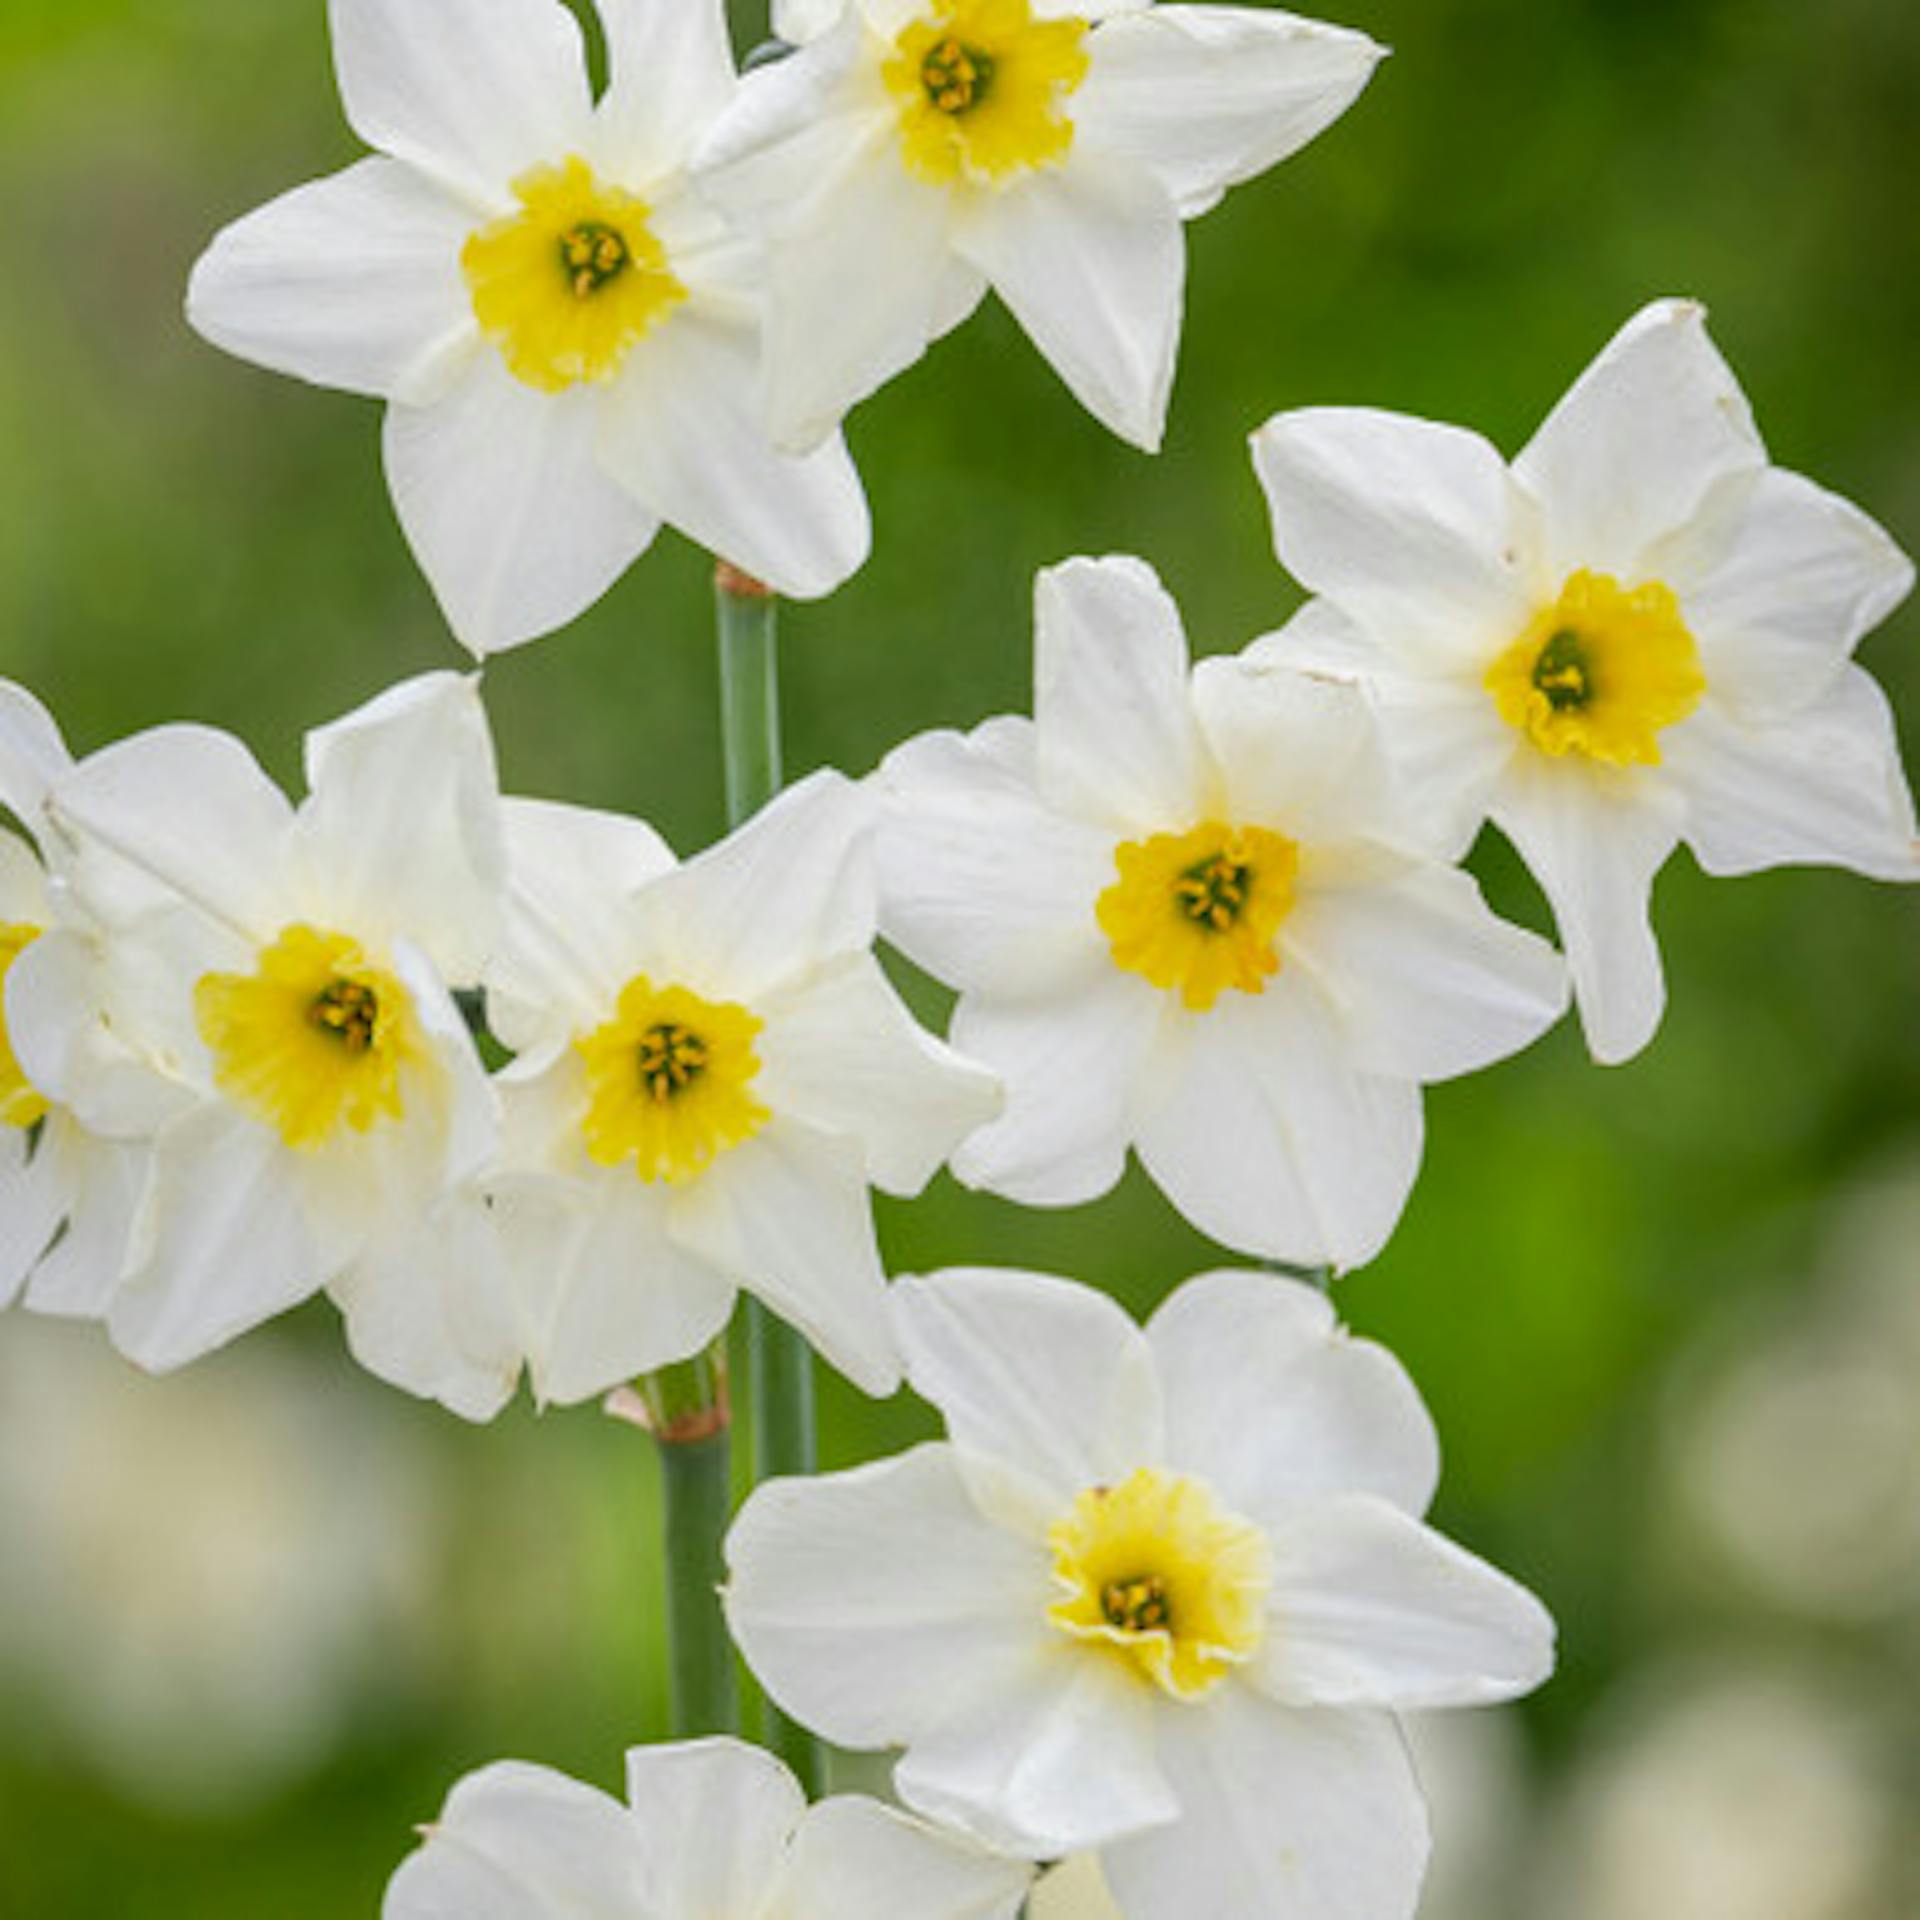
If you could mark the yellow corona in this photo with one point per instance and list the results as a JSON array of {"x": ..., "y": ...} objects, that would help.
[
  {"x": 670, "y": 1082},
  {"x": 983, "y": 88},
  {"x": 315, "y": 1041},
  {"x": 1157, "y": 1571},
  {"x": 1601, "y": 673},
  {"x": 20, "y": 1102},
  {"x": 1199, "y": 912},
  {"x": 567, "y": 286}
]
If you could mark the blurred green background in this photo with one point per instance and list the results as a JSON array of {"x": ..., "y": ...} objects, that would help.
[{"x": 256, "y": 1619}]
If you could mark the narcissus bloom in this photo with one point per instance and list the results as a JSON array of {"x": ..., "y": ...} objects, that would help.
[
  {"x": 1159, "y": 1595},
  {"x": 1189, "y": 912},
  {"x": 66, "y": 1194},
  {"x": 913, "y": 153},
  {"x": 261, "y": 992},
  {"x": 569, "y": 338},
  {"x": 1640, "y": 633},
  {"x": 711, "y": 1829},
  {"x": 712, "y": 1062}
]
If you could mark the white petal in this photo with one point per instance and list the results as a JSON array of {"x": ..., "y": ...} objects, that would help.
[
  {"x": 1090, "y": 259},
  {"x": 854, "y": 1859},
  {"x": 33, "y": 1202},
  {"x": 1824, "y": 786},
  {"x": 606, "y": 1294},
  {"x": 220, "y": 1244},
  {"x": 1271, "y": 1139},
  {"x": 842, "y": 1053},
  {"x": 670, "y": 78},
  {"x": 175, "y": 813},
  {"x": 431, "y": 1309},
  {"x": 1285, "y": 1815},
  {"x": 1297, "y": 752},
  {"x": 876, "y": 1604},
  {"x": 352, "y": 282},
  {"x": 1274, "y": 1404},
  {"x": 506, "y": 508},
  {"x": 1779, "y": 581},
  {"x": 474, "y": 92},
  {"x": 1429, "y": 982},
  {"x": 1444, "y": 737},
  {"x": 1046, "y": 1378},
  {"x": 859, "y": 249},
  {"x": 402, "y": 833},
  {"x": 1072, "y": 1064},
  {"x": 682, "y": 432},
  {"x": 790, "y": 890},
  {"x": 980, "y": 882},
  {"x": 32, "y": 753},
  {"x": 1634, "y": 448},
  {"x": 563, "y": 954},
  {"x": 520, "y": 1842},
  {"x": 715, "y": 1819},
  {"x": 1594, "y": 840},
  {"x": 1369, "y": 1608},
  {"x": 1114, "y": 728},
  {"x": 1062, "y": 1760},
  {"x": 104, "y": 1181},
  {"x": 1415, "y": 530},
  {"x": 788, "y": 1216},
  {"x": 1207, "y": 96}
]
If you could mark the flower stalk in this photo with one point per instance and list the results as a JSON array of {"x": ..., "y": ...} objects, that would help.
[
  {"x": 779, "y": 1362},
  {"x": 687, "y": 1409}
]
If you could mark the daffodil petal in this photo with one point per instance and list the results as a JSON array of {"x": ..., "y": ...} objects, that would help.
[
  {"x": 1207, "y": 96},
  {"x": 471, "y": 91},
  {"x": 1300, "y": 1411},
  {"x": 506, "y": 508},
  {"x": 1370, "y": 1608},
  {"x": 350, "y": 282},
  {"x": 1284, "y": 1815},
  {"x": 1090, "y": 259},
  {"x": 876, "y": 1602},
  {"x": 714, "y": 1820},
  {"x": 854, "y": 1859},
  {"x": 1826, "y": 786},
  {"x": 1637, "y": 444},
  {"x": 647, "y": 126},
  {"x": 1595, "y": 845}
]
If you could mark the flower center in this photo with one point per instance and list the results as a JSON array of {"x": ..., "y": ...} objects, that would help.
[
  {"x": 982, "y": 88},
  {"x": 669, "y": 1082},
  {"x": 21, "y": 1103},
  {"x": 566, "y": 286},
  {"x": 313, "y": 1042},
  {"x": 1157, "y": 1571},
  {"x": 1601, "y": 673},
  {"x": 1199, "y": 912}
]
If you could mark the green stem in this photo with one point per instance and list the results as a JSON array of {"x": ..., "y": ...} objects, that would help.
[
  {"x": 688, "y": 1414},
  {"x": 780, "y": 1363}
]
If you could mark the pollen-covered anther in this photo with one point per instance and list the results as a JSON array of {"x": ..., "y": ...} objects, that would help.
[
  {"x": 349, "y": 1011},
  {"x": 1136, "y": 1605},
  {"x": 594, "y": 254},
  {"x": 671, "y": 1059},
  {"x": 955, "y": 76}
]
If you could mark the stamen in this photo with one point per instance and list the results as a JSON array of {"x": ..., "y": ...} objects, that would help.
[
  {"x": 1137, "y": 1604},
  {"x": 956, "y": 77},
  {"x": 1564, "y": 673},
  {"x": 1212, "y": 893},
  {"x": 671, "y": 1058},
  {"x": 593, "y": 255},
  {"x": 347, "y": 1011}
]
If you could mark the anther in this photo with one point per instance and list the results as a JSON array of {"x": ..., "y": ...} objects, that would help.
[
  {"x": 1213, "y": 893},
  {"x": 956, "y": 77},
  {"x": 592, "y": 254},
  {"x": 671, "y": 1058},
  {"x": 1137, "y": 1604},
  {"x": 347, "y": 1011},
  {"x": 1563, "y": 672}
]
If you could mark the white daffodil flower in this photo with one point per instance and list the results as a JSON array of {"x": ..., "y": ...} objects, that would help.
[
  {"x": 258, "y": 991},
  {"x": 913, "y": 153},
  {"x": 711, "y": 1058},
  {"x": 1188, "y": 912},
  {"x": 569, "y": 338},
  {"x": 67, "y": 1195},
  {"x": 712, "y": 1830},
  {"x": 1159, "y": 1595},
  {"x": 1639, "y": 633}
]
